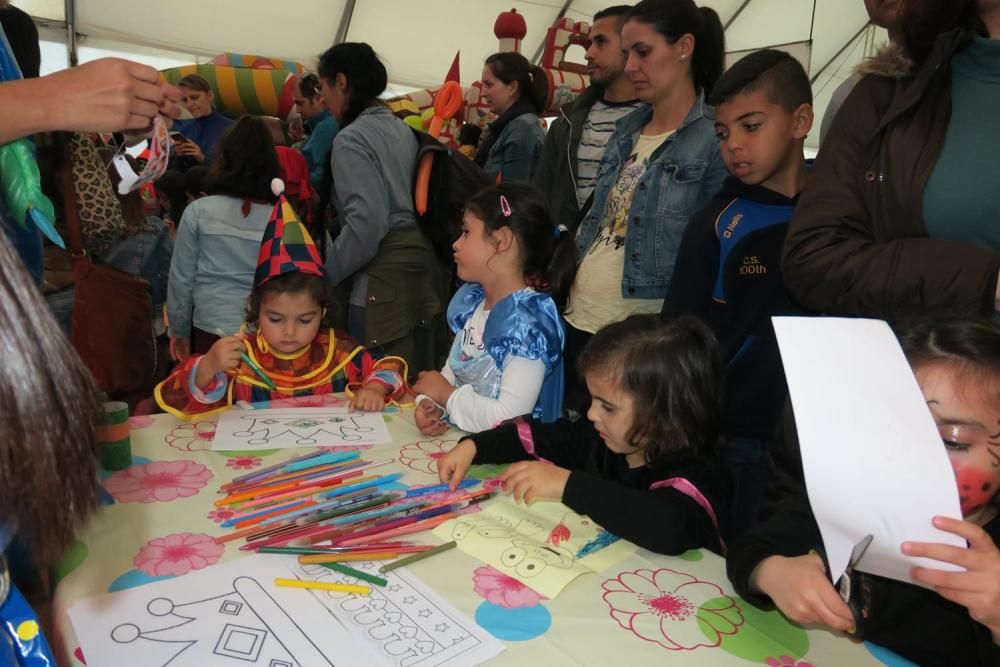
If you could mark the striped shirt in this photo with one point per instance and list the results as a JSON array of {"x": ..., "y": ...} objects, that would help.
[{"x": 597, "y": 129}]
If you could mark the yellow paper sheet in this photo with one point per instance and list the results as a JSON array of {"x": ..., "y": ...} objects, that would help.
[{"x": 545, "y": 545}]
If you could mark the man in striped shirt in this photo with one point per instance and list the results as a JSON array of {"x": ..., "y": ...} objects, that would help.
[{"x": 567, "y": 171}]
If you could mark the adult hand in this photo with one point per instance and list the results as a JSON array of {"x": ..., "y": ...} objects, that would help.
[
  {"x": 295, "y": 132},
  {"x": 978, "y": 588},
  {"x": 370, "y": 398},
  {"x": 111, "y": 94},
  {"x": 433, "y": 385},
  {"x": 427, "y": 417},
  {"x": 528, "y": 481},
  {"x": 224, "y": 355},
  {"x": 453, "y": 465},
  {"x": 180, "y": 348},
  {"x": 800, "y": 588},
  {"x": 190, "y": 149}
]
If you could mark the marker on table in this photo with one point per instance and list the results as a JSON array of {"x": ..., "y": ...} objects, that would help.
[
  {"x": 439, "y": 488},
  {"x": 409, "y": 560},
  {"x": 323, "y": 586}
]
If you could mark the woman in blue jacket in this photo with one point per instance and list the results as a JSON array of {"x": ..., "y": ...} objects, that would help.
[
  {"x": 516, "y": 91},
  {"x": 660, "y": 166}
]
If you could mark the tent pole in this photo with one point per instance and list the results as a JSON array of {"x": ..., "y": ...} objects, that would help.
[
  {"x": 345, "y": 21},
  {"x": 70, "y": 10},
  {"x": 541, "y": 47},
  {"x": 839, "y": 52},
  {"x": 736, "y": 15}
]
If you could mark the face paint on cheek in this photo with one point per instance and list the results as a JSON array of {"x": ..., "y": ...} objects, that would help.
[{"x": 975, "y": 488}]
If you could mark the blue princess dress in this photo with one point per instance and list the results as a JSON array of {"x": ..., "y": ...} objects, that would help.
[
  {"x": 21, "y": 640},
  {"x": 525, "y": 324}
]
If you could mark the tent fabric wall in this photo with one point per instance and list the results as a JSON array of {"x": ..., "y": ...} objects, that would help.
[{"x": 418, "y": 40}]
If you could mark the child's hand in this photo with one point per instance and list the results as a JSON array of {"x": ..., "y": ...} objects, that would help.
[
  {"x": 180, "y": 348},
  {"x": 224, "y": 355},
  {"x": 370, "y": 398},
  {"x": 800, "y": 588},
  {"x": 453, "y": 465},
  {"x": 530, "y": 480},
  {"x": 433, "y": 385},
  {"x": 427, "y": 417},
  {"x": 978, "y": 588}
]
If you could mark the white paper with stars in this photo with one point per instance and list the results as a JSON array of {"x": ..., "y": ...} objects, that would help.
[{"x": 405, "y": 622}]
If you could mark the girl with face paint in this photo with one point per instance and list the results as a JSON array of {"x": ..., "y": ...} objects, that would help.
[{"x": 954, "y": 619}]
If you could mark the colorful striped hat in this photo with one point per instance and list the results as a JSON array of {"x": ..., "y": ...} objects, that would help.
[{"x": 287, "y": 246}]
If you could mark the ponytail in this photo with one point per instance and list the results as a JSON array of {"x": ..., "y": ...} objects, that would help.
[
  {"x": 533, "y": 84},
  {"x": 561, "y": 270},
  {"x": 709, "y": 51},
  {"x": 675, "y": 18}
]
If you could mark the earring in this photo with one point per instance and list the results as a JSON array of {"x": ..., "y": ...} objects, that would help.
[{"x": 683, "y": 57}]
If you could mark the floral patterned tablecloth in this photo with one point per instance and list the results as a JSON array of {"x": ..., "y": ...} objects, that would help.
[{"x": 159, "y": 522}]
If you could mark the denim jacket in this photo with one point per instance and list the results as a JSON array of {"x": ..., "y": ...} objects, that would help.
[
  {"x": 517, "y": 150},
  {"x": 211, "y": 271},
  {"x": 683, "y": 175}
]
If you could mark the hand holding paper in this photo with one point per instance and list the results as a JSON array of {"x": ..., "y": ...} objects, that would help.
[
  {"x": 978, "y": 587},
  {"x": 874, "y": 463}
]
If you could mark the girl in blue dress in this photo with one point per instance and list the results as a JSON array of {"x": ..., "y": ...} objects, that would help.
[{"x": 506, "y": 360}]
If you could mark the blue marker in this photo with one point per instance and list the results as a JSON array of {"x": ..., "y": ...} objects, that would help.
[
  {"x": 229, "y": 523},
  {"x": 357, "y": 486},
  {"x": 322, "y": 460},
  {"x": 464, "y": 484}
]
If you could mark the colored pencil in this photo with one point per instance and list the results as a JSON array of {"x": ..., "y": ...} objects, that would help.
[
  {"x": 419, "y": 527},
  {"x": 439, "y": 488},
  {"x": 319, "y": 559},
  {"x": 357, "y": 574},
  {"x": 323, "y": 586},
  {"x": 258, "y": 371},
  {"x": 409, "y": 560},
  {"x": 263, "y": 471}
]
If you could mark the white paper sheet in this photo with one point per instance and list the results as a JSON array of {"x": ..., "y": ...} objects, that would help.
[
  {"x": 874, "y": 462},
  {"x": 282, "y": 428},
  {"x": 405, "y": 622},
  {"x": 225, "y": 615}
]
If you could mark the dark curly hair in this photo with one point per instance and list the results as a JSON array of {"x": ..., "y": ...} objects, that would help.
[
  {"x": 673, "y": 370},
  {"x": 292, "y": 283}
]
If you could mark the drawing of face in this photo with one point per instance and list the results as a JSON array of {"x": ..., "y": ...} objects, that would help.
[
  {"x": 289, "y": 321},
  {"x": 528, "y": 559},
  {"x": 967, "y": 413}
]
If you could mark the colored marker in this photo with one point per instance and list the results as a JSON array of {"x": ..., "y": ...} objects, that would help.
[
  {"x": 437, "y": 488},
  {"x": 323, "y": 586},
  {"x": 409, "y": 560},
  {"x": 357, "y": 574},
  {"x": 320, "y": 559}
]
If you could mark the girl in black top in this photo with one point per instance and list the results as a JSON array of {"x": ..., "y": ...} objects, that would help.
[{"x": 642, "y": 464}]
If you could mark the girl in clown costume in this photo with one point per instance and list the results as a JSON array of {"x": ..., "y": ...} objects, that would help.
[{"x": 291, "y": 345}]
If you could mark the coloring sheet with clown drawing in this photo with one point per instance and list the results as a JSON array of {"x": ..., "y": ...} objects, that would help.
[
  {"x": 282, "y": 428},
  {"x": 545, "y": 545}
]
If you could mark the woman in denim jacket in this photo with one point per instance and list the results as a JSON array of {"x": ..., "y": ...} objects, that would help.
[
  {"x": 218, "y": 238},
  {"x": 660, "y": 166},
  {"x": 516, "y": 91}
]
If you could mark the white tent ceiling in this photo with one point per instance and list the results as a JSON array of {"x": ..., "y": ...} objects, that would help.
[{"x": 419, "y": 39}]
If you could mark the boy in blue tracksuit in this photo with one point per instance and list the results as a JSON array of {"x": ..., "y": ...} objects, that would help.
[{"x": 728, "y": 266}]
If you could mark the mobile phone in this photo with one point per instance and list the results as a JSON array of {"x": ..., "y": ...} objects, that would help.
[{"x": 177, "y": 137}]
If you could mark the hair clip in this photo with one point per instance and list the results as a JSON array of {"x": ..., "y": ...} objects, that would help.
[
  {"x": 559, "y": 230},
  {"x": 505, "y": 207}
]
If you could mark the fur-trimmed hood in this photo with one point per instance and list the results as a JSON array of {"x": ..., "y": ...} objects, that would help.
[{"x": 890, "y": 61}]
